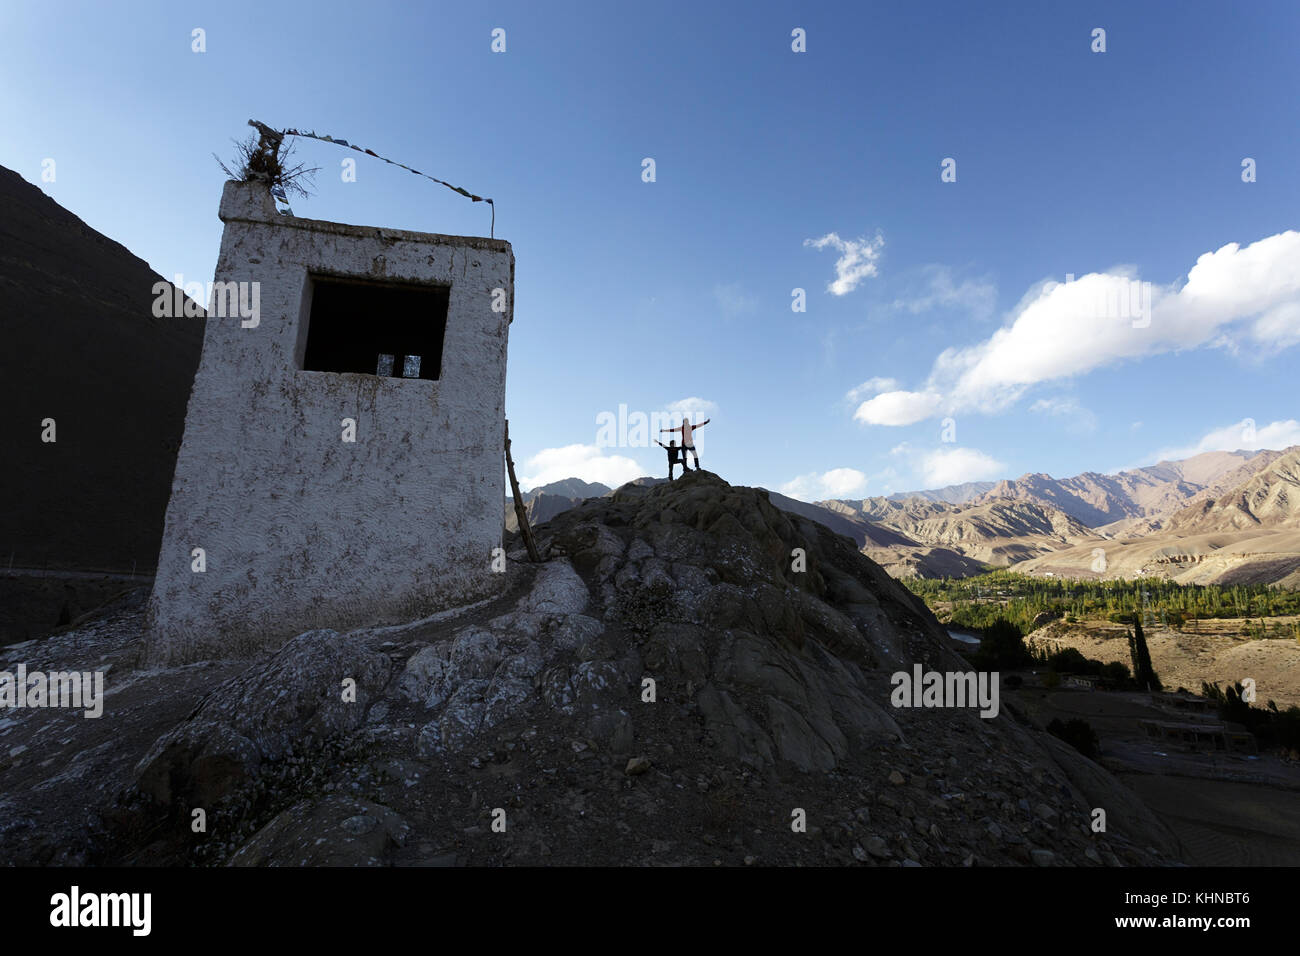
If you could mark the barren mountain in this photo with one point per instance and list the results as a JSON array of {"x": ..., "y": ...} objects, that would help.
[
  {"x": 1269, "y": 498},
  {"x": 952, "y": 494},
  {"x": 1096, "y": 499},
  {"x": 925, "y": 561},
  {"x": 864, "y": 532},
  {"x": 571, "y": 488},
  {"x": 1219, "y": 486},
  {"x": 1148, "y": 520},
  {"x": 1250, "y": 533},
  {"x": 940, "y": 539},
  {"x": 1001, "y": 532}
]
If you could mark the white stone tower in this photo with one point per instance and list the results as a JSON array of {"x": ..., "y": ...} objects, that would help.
[{"x": 341, "y": 463}]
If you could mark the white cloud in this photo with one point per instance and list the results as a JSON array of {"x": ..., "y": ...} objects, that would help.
[
  {"x": 836, "y": 483},
  {"x": 898, "y": 408},
  {"x": 696, "y": 409},
  {"x": 578, "y": 461},
  {"x": 883, "y": 481},
  {"x": 976, "y": 296},
  {"x": 954, "y": 466},
  {"x": 733, "y": 300},
  {"x": 1278, "y": 328},
  {"x": 1079, "y": 418},
  {"x": 1247, "y": 299},
  {"x": 872, "y": 386},
  {"x": 857, "y": 259},
  {"x": 1243, "y": 435}
]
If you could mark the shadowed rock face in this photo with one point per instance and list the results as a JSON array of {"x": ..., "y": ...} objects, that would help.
[
  {"x": 83, "y": 347},
  {"x": 769, "y": 642}
]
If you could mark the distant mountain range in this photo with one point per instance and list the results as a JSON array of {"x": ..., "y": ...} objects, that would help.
[
  {"x": 1268, "y": 498},
  {"x": 1040, "y": 523},
  {"x": 1214, "y": 517},
  {"x": 953, "y": 494},
  {"x": 1244, "y": 533},
  {"x": 1097, "y": 499}
]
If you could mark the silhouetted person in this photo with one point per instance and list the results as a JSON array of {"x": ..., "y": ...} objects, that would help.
[
  {"x": 674, "y": 456},
  {"x": 688, "y": 441}
]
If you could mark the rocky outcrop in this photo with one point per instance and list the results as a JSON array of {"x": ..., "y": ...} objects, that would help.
[
  {"x": 361, "y": 833},
  {"x": 266, "y": 730},
  {"x": 538, "y": 653}
]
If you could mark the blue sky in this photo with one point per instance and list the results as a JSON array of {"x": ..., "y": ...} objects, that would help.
[{"x": 774, "y": 171}]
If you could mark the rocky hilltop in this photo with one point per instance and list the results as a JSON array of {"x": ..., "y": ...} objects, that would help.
[{"x": 690, "y": 672}]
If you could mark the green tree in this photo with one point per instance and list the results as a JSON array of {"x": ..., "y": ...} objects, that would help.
[{"x": 1002, "y": 645}]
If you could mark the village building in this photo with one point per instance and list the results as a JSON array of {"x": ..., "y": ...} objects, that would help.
[{"x": 1201, "y": 736}]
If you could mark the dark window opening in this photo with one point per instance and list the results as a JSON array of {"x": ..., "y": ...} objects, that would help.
[{"x": 388, "y": 329}]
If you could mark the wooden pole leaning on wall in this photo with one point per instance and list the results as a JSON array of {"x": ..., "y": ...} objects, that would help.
[{"x": 521, "y": 513}]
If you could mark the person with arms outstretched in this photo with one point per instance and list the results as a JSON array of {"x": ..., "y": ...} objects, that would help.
[
  {"x": 674, "y": 456},
  {"x": 688, "y": 441}
]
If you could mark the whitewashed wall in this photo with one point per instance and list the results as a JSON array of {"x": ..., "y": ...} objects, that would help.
[{"x": 303, "y": 530}]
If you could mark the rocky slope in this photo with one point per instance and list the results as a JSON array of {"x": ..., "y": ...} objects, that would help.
[
  {"x": 674, "y": 685},
  {"x": 83, "y": 347},
  {"x": 866, "y": 534},
  {"x": 1269, "y": 498}
]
